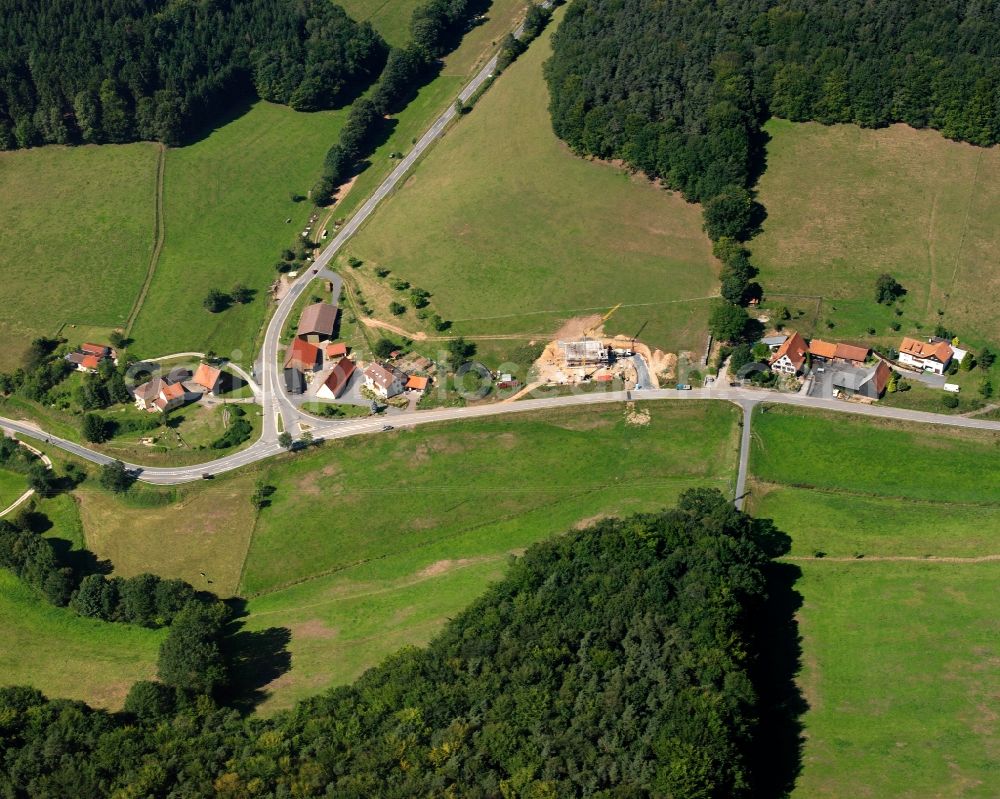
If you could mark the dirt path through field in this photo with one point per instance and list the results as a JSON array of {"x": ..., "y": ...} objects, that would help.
[{"x": 896, "y": 559}]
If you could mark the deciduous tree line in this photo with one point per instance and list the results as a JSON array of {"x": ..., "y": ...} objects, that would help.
[
  {"x": 612, "y": 661},
  {"x": 679, "y": 89},
  {"x": 435, "y": 28},
  {"x": 121, "y": 70}
]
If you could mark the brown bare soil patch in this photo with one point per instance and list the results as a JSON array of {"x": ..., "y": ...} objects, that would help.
[{"x": 314, "y": 628}]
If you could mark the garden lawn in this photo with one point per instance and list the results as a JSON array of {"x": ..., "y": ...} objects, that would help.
[
  {"x": 840, "y": 452},
  {"x": 76, "y": 238},
  {"x": 182, "y": 532},
  {"x": 512, "y": 233},
  {"x": 846, "y": 204},
  {"x": 901, "y": 681},
  {"x": 65, "y": 655},
  {"x": 226, "y": 199}
]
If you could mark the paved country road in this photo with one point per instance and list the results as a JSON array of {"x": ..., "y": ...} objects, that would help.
[{"x": 266, "y": 447}]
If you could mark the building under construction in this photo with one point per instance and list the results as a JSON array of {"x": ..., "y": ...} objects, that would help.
[{"x": 585, "y": 352}]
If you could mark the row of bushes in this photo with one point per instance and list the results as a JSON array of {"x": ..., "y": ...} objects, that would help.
[{"x": 434, "y": 29}]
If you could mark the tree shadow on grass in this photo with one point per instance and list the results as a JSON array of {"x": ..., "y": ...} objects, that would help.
[
  {"x": 256, "y": 658},
  {"x": 777, "y": 753}
]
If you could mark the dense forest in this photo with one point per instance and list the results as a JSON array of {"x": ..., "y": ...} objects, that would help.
[
  {"x": 120, "y": 70},
  {"x": 615, "y": 661},
  {"x": 678, "y": 88}
]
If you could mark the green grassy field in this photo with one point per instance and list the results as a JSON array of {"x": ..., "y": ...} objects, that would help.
[
  {"x": 897, "y": 650},
  {"x": 513, "y": 234},
  {"x": 846, "y": 204},
  {"x": 379, "y": 540},
  {"x": 174, "y": 532},
  {"x": 64, "y": 655},
  {"x": 368, "y": 497},
  {"x": 478, "y": 45},
  {"x": 391, "y": 18},
  {"x": 226, "y": 199},
  {"x": 849, "y": 454},
  {"x": 12, "y": 485},
  {"x": 900, "y": 676},
  {"x": 75, "y": 241},
  {"x": 847, "y": 525}
]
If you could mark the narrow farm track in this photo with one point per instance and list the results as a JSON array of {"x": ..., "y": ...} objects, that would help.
[{"x": 159, "y": 233}]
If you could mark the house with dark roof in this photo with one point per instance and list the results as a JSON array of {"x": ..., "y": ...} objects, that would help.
[
  {"x": 303, "y": 356},
  {"x": 791, "y": 356},
  {"x": 841, "y": 378},
  {"x": 295, "y": 381},
  {"x": 336, "y": 381},
  {"x": 383, "y": 381},
  {"x": 317, "y": 322},
  {"x": 932, "y": 355}
]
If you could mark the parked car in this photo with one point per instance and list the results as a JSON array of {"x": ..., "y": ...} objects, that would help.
[
  {"x": 683, "y": 387},
  {"x": 386, "y": 428}
]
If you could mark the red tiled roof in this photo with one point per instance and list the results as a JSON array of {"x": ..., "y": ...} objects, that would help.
[
  {"x": 940, "y": 351},
  {"x": 882, "y": 372},
  {"x": 795, "y": 348},
  {"x": 94, "y": 349},
  {"x": 207, "y": 376},
  {"x": 336, "y": 381},
  {"x": 822, "y": 349},
  {"x": 416, "y": 382},
  {"x": 90, "y": 361},
  {"x": 338, "y": 350},
  {"x": 172, "y": 391},
  {"x": 302, "y": 355},
  {"x": 851, "y": 352}
]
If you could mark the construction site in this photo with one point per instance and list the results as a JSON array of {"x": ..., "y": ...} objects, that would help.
[{"x": 582, "y": 354}]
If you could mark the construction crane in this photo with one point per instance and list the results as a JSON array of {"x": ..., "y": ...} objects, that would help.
[
  {"x": 589, "y": 333},
  {"x": 604, "y": 319}
]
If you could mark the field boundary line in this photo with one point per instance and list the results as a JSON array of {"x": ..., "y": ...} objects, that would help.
[{"x": 159, "y": 235}]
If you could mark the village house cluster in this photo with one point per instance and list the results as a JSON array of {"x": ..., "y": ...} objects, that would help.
[
  {"x": 178, "y": 387},
  {"x": 88, "y": 357},
  {"x": 313, "y": 356},
  {"x": 853, "y": 371}
]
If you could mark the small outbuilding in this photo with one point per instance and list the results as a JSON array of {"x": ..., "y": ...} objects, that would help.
[{"x": 207, "y": 377}]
